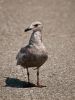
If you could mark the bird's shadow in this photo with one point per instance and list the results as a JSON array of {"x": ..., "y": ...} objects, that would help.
[{"x": 13, "y": 82}]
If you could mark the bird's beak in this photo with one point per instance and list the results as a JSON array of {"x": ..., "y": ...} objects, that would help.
[{"x": 27, "y": 29}]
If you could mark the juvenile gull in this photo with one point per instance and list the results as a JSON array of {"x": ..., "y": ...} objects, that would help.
[{"x": 34, "y": 54}]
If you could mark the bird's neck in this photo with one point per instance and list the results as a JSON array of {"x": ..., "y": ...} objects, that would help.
[{"x": 36, "y": 38}]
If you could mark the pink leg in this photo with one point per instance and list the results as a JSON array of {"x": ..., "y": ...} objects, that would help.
[
  {"x": 37, "y": 76},
  {"x": 28, "y": 75}
]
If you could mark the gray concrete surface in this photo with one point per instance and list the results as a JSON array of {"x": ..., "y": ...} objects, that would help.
[{"x": 58, "y": 73}]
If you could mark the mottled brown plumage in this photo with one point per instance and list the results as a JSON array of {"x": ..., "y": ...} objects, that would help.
[{"x": 34, "y": 54}]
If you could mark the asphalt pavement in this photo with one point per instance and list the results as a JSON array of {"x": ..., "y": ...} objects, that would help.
[{"x": 58, "y": 73}]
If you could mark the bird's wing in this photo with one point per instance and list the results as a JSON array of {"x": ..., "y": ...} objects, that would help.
[{"x": 24, "y": 55}]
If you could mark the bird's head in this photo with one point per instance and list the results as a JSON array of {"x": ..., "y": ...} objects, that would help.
[{"x": 35, "y": 26}]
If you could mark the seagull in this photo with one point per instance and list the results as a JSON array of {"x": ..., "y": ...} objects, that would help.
[{"x": 34, "y": 54}]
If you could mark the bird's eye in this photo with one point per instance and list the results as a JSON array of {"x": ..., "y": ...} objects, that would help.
[{"x": 36, "y": 25}]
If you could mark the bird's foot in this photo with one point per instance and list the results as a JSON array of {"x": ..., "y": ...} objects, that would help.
[{"x": 40, "y": 86}]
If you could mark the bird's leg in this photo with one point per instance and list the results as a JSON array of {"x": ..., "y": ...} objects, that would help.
[
  {"x": 38, "y": 76},
  {"x": 28, "y": 75},
  {"x": 38, "y": 84}
]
